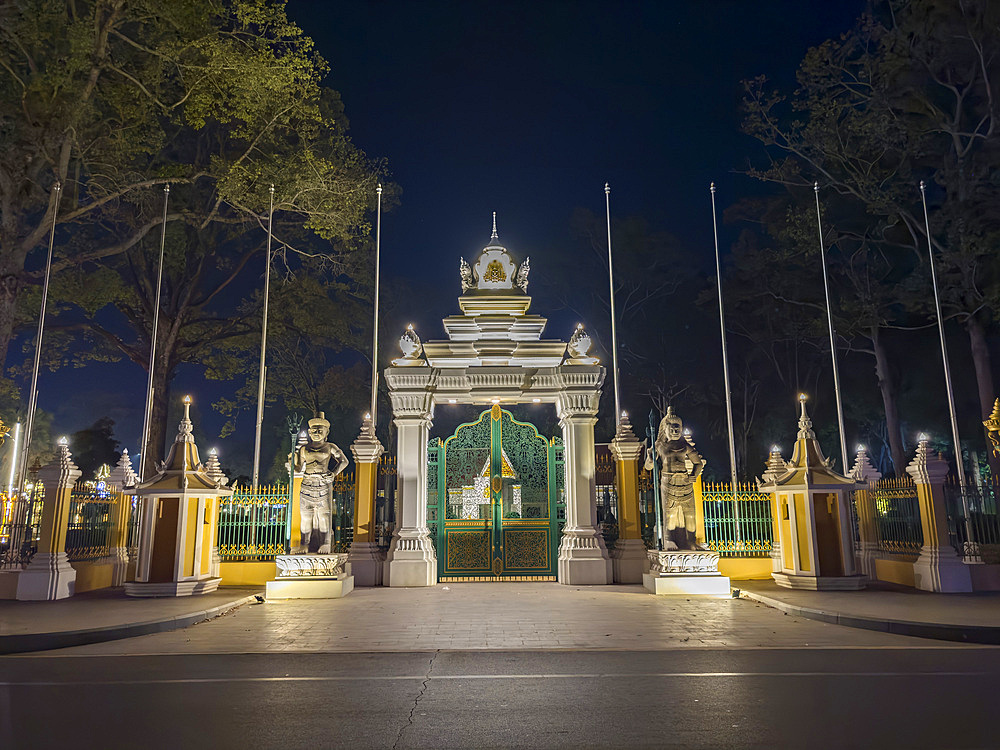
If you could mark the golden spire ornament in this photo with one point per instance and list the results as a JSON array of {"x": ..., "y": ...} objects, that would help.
[{"x": 992, "y": 425}]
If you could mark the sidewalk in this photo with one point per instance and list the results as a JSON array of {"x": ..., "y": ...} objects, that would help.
[
  {"x": 969, "y": 618},
  {"x": 106, "y": 615}
]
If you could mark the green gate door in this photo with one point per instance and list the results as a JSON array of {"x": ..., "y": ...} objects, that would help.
[{"x": 495, "y": 496}]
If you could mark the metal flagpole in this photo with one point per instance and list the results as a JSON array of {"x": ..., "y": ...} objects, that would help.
[
  {"x": 725, "y": 370},
  {"x": 263, "y": 347},
  {"x": 33, "y": 393},
  {"x": 959, "y": 464},
  {"x": 378, "y": 241},
  {"x": 148, "y": 415},
  {"x": 833, "y": 337},
  {"x": 614, "y": 332}
]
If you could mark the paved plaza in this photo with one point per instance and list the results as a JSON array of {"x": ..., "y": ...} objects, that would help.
[{"x": 483, "y": 616}]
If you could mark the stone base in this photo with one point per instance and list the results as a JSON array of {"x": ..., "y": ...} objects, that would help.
[
  {"x": 629, "y": 561},
  {"x": 172, "y": 588},
  {"x": 411, "y": 562},
  {"x": 942, "y": 570},
  {"x": 309, "y": 588},
  {"x": 364, "y": 562},
  {"x": 820, "y": 583},
  {"x": 696, "y": 584},
  {"x": 48, "y": 577},
  {"x": 583, "y": 559}
]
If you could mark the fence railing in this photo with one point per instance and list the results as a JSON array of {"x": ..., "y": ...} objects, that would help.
[
  {"x": 896, "y": 513},
  {"x": 754, "y": 511},
  {"x": 88, "y": 529},
  {"x": 976, "y": 536},
  {"x": 252, "y": 524},
  {"x": 20, "y": 520}
]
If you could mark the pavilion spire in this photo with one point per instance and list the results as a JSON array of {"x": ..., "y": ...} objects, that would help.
[{"x": 494, "y": 236}]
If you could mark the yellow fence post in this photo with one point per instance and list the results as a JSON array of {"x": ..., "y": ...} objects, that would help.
[
  {"x": 628, "y": 558},
  {"x": 49, "y": 575},
  {"x": 125, "y": 479},
  {"x": 864, "y": 507},
  {"x": 364, "y": 559}
]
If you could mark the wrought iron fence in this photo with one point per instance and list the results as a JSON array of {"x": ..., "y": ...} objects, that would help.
[
  {"x": 607, "y": 494},
  {"x": 647, "y": 508},
  {"x": 755, "y": 529},
  {"x": 253, "y": 523},
  {"x": 20, "y": 521},
  {"x": 385, "y": 501},
  {"x": 88, "y": 529},
  {"x": 976, "y": 535},
  {"x": 897, "y": 515},
  {"x": 343, "y": 504}
]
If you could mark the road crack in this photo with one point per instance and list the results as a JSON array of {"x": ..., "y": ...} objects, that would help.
[{"x": 416, "y": 701}]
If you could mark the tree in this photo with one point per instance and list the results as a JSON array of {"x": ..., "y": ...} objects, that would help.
[
  {"x": 94, "y": 446},
  {"x": 115, "y": 99},
  {"x": 909, "y": 92}
]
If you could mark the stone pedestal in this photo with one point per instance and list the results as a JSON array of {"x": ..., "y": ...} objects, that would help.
[
  {"x": 628, "y": 558},
  {"x": 938, "y": 568},
  {"x": 49, "y": 575},
  {"x": 365, "y": 560},
  {"x": 310, "y": 577},
  {"x": 687, "y": 572}
]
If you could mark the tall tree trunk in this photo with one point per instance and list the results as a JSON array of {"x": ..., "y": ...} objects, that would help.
[
  {"x": 984, "y": 380},
  {"x": 9, "y": 287},
  {"x": 889, "y": 401}
]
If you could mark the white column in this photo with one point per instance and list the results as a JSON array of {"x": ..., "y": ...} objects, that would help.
[
  {"x": 583, "y": 557},
  {"x": 411, "y": 560}
]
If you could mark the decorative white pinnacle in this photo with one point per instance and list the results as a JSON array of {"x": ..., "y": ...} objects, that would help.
[
  {"x": 805, "y": 424},
  {"x": 494, "y": 236}
]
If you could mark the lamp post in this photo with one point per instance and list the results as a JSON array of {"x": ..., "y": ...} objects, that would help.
[{"x": 378, "y": 241}]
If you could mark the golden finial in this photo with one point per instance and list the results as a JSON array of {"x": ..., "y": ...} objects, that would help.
[
  {"x": 4, "y": 431},
  {"x": 992, "y": 425}
]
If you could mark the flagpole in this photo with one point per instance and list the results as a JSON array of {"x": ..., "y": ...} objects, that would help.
[
  {"x": 263, "y": 347},
  {"x": 725, "y": 366},
  {"x": 33, "y": 393},
  {"x": 147, "y": 416},
  {"x": 614, "y": 332},
  {"x": 378, "y": 245},
  {"x": 959, "y": 463},
  {"x": 833, "y": 338}
]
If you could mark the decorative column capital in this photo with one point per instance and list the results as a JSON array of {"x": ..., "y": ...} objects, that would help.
[
  {"x": 863, "y": 471},
  {"x": 367, "y": 448},
  {"x": 62, "y": 472},
  {"x": 625, "y": 446},
  {"x": 926, "y": 467},
  {"x": 123, "y": 476}
]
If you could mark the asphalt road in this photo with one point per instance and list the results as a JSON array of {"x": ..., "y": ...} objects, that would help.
[{"x": 817, "y": 698}]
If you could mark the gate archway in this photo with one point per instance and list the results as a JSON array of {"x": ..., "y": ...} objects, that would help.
[{"x": 496, "y": 502}]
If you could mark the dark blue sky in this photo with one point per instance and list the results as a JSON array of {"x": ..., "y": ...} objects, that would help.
[{"x": 525, "y": 109}]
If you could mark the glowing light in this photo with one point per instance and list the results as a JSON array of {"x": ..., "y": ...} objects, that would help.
[
  {"x": 452, "y": 400},
  {"x": 775, "y": 449},
  {"x": 624, "y": 414},
  {"x": 860, "y": 447},
  {"x": 803, "y": 397},
  {"x": 64, "y": 440},
  {"x": 368, "y": 415},
  {"x": 213, "y": 452},
  {"x": 687, "y": 430},
  {"x": 923, "y": 437},
  {"x": 186, "y": 399},
  {"x": 409, "y": 327},
  {"x": 536, "y": 400},
  {"x": 494, "y": 401}
]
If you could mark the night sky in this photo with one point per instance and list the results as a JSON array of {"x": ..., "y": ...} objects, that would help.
[{"x": 525, "y": 109}]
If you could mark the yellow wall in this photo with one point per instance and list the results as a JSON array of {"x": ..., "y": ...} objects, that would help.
[
  {"x": 92, "y": 574},
  {"x": 247, "y": 573},
  {"x": 745, "y": 568},
  {"x": 895, "y": 571}
]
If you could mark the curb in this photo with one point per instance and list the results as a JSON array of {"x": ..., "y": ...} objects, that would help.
[
  {"x": 23, "y": 642},
  {"x": 938, "y": 631}
]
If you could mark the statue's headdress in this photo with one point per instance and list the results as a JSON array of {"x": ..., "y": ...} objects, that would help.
[{"x": 319, "y": 420}]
